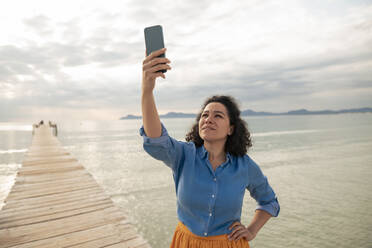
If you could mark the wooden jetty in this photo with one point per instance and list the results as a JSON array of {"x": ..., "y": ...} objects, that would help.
[{"x": 55, "y": 202}]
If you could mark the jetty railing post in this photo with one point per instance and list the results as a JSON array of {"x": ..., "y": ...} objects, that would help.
[
  {"x": 54, "y": 126},
  {"x": 34, "y": 126},
  {"x": 55, "y": 130}
]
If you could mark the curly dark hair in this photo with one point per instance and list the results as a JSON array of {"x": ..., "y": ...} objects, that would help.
[{"x": 239, "y": 141}]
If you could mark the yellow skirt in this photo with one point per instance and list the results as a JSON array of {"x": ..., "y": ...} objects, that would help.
[{"x": 184, "y": 238}]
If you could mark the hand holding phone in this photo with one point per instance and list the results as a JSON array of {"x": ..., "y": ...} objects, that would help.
[
  {"x": 154, "y": 41},
  {"x": 155, "y": 63}
]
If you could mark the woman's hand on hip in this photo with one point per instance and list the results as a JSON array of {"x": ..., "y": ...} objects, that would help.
[
  {"x": 240, "y": 231},
  {"x": 150, "y": 66}
]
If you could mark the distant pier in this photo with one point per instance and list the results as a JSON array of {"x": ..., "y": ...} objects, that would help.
[{"x": 55, "y": 202}]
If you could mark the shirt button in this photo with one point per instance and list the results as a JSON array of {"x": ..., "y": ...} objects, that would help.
[
  {"x": 215, "y": 179},
  {"x": 212, "y": 196},
  {"x": 205, "y": 234},
  {"x": 210, "y": 214}
]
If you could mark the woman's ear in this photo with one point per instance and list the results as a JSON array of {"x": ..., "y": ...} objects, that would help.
[{"x": 231, "y": 130}]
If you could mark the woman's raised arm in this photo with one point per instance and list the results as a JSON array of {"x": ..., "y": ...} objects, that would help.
[{"x": 150, "y": 116}]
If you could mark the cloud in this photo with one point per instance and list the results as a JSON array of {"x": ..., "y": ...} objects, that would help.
[{"x": 40, "y": 24}]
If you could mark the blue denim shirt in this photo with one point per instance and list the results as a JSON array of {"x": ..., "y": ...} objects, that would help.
[{"x": 209, "y": 201}]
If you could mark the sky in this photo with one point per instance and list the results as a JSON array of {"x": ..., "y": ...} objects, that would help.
[{"x": 82, "y": 60}]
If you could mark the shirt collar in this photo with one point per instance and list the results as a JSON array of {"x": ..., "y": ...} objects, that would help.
[{"x": 204, "y": 153}]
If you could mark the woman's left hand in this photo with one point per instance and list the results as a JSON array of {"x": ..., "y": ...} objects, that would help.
[{"x": 240, "y": 231}]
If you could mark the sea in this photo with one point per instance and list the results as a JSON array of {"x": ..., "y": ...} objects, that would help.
[{"x": 320, "y": 167}]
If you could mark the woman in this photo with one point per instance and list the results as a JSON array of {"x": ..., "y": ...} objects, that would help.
[{"x": 211, "y": 170}]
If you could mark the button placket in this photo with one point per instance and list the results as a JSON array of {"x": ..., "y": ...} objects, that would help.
[
  {"x": 213, "y": 197},
  {"x": 213, "y": 200}
]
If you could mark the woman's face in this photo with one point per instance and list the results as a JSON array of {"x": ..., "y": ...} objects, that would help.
[{"x": 214, "y": 123}]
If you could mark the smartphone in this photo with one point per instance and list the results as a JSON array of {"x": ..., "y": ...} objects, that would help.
[{"x": 154, "y": 41}]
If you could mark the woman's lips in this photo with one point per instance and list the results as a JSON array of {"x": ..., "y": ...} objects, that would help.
[{"x": 208, "y": 128}]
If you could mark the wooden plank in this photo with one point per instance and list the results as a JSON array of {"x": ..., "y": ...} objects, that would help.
[
  {"x": 10, "y": 215},
  {"x": 46, "y": 157},
  {"x": 45, "y": 150},
  {"x": 41, "y": 161},
  {"x": 48, "y": 216},
  {"x": 14, "y": 214},
  {"x": 59, "y": 189},
  {"x": 34, "y": 186},
  {"x": 52, "y": 155},
  {"x": 44, "y": 168},
  {"x": 74, "y": 238},
  {"x": 50, "y": 200},
  {"x": 127, "y": 243},
  {"x": 50, "y": 170},
  {"x": 52, "y": 228},
  {"x": 116, "y": 238},
  {"x": 44, "y": 178}
]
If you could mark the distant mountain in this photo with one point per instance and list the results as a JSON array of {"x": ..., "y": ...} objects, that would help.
[
  {"x": 327, "y": 112},
  {"x": 250, "y": 112},
  {"x": 178, "y": 115},
  {"x": 130, "y": 117},
  {"x": 168, "y": 115}
]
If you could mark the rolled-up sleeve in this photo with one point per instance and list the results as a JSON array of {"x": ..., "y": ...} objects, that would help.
[
  {"x": 261, "y": 190},
  {"x": 164, "y": 148}
]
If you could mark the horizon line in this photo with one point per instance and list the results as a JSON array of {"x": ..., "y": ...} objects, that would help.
[{"x": 268, "y": 111}]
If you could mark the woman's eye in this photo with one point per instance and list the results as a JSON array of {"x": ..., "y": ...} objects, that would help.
[
  {"x": 218, "y": 116},
  {"x": 204, "y": 115}
]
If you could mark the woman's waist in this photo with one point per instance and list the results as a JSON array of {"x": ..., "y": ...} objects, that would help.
[
  {"x": 182, "y": 227},
  {"x": 207, "y": 224}
]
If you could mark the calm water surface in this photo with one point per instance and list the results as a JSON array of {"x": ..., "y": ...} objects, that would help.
[{"x": 320, "y": 167}]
